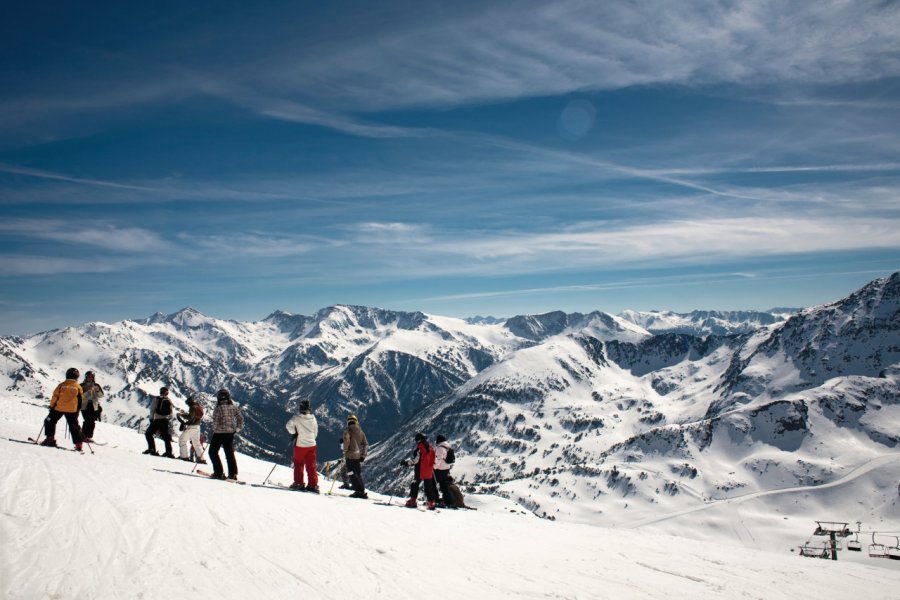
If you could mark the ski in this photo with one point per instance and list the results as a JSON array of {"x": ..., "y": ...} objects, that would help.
[
  {"x": 209, "y": 476},
  {"x": 200, "y": 474},
  {"x": 34, "y": 443},
  {"x": 418, "y": 508}
]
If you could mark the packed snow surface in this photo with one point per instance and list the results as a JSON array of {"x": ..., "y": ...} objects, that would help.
[{"x": 119, "y": 524}]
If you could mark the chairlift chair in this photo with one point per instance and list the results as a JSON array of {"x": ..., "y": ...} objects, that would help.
[
  {"x": 877, "y": 550},
  {"x": 814, "y": 551},
  {"x": 893, "y": 552},
  {"x": 854, "y": 545}
]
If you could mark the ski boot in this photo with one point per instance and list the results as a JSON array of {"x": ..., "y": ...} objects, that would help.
[
  {"x": 49, "y": 442},
  {"x": 411, "y": 503}
]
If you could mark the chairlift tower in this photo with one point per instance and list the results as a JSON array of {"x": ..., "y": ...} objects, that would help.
[{"x": 833, "y": 530}]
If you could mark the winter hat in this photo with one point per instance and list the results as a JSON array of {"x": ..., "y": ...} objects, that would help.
[
  {"x": 190, "y": 400},
  {"x": 163, "y": 391},
  {"x": 304, "y": 406},
  {"x": 440, "y": 439},
  {"x": 352, "y": 419},
  {"x": 420, "y": 437}
]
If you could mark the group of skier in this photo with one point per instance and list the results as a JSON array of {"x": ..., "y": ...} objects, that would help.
[
  {"x": 227, "y": 422},
  {"x": 431, "y": 463},
  {"x": 68, "y": 399}
]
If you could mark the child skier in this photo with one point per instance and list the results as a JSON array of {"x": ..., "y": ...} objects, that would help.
[
  {"x": 91, "y": 408},
  {"x": 304, "y": 428},
  {"x": 66, "y": 402},
  {"x": 190, "y": 435},
  {"x": 424, "y": 472}
]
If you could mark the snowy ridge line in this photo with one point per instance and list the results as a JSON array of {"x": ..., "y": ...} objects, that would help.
[{"x": 854, "y": 474}]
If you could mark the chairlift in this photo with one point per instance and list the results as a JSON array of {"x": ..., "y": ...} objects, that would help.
[
  {"x": 893, "y": 552},
  {"x": 814, "y": 551},
  {"x": 877, "y": 550},
  {"x": 854, "y": 545}
]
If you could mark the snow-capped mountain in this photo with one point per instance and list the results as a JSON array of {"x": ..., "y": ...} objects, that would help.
[
  {"x": 587, "y": 428},
  {"x": 575, "y": 415},
  {"x": 706, "y": 322}
]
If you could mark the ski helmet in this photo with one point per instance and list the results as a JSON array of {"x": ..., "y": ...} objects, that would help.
[
  {"x": 89, "y": 375},
  {"x": 352, "y": 419},
  {"x": 72, "y": 373}
]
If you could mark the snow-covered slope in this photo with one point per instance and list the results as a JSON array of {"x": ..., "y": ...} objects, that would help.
[{"x": 118, "y": 524}]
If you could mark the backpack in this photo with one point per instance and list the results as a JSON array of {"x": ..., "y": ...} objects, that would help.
[
  {"x": 451, "y": 457},
  {"x": 164, "y": 407}
]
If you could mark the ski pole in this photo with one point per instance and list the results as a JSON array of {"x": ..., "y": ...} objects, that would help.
[
  {"x": 37, "y": 438},
  {"x": 201, "y": 457},
  {"x": 276, "y": 464}
]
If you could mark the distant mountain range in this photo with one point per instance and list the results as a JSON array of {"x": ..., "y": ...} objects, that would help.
[{"x": 635, "y": 411}]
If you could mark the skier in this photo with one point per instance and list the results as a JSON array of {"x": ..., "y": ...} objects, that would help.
[
  {"x": 442, "y": 470},
  {"x": 304, "y": 429},
  {"x": 66, "y": 402},
  {"x": 355, "y": 446},
  {"x": 424, "y": 472},
  {"x": 227, "y": 421},
  {"x": 91, "y": 408},
  {"x": 190, "y": 433},
  {"x": 160, "y": 411}
]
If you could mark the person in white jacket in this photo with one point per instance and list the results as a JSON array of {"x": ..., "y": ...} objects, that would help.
[
  {"x": 442, "y": 471},
  {"x": 304, "y": 428}
]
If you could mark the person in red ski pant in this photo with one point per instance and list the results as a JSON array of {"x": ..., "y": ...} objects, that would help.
[{"x": 304, "y": 428}]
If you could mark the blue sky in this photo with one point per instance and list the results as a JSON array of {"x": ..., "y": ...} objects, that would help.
[{"x": 456, "y": 158}]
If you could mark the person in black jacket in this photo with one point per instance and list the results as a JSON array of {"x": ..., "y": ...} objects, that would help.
[{"x": 160, "y": 412}]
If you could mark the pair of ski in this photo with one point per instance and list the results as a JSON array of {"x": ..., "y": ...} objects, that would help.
[
  {"x": 34, "y": 442},
  {"x": 280, "y": 486},
  {"x": 202, "y": 475},
  {"x": 417, "y": 507}
]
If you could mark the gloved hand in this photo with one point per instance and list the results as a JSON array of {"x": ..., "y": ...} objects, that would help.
[
  {"x": 404, "y": 463},
  {"x": 362, "y": 459}
]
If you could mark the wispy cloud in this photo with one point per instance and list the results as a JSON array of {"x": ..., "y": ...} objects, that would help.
[
  {"x": 100, "y": 235},
  {"x": 564, "y": 47}
]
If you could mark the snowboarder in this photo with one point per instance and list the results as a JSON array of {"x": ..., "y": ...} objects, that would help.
[
  {"x": 424, "y": 472},
  {"x": 160, "y": 412},
  {"x": 227, "y": 421},
  {"x": 304, "y": 429},
  {"x": 66, "y": 402},
  {"x": 442, "y": 453},
  {"x": 91, "y": 408},
  {"x": 355, "y": 446},
  {"x": 190, "y": 433}
]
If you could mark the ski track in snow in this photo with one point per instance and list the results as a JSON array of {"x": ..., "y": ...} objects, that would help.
[
  {"x": 849, "y": 477},
  {"x": 114, "y": 525}
]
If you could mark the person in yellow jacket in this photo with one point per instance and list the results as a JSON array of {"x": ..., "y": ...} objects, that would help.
[{"x": 66, "y": 402}]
